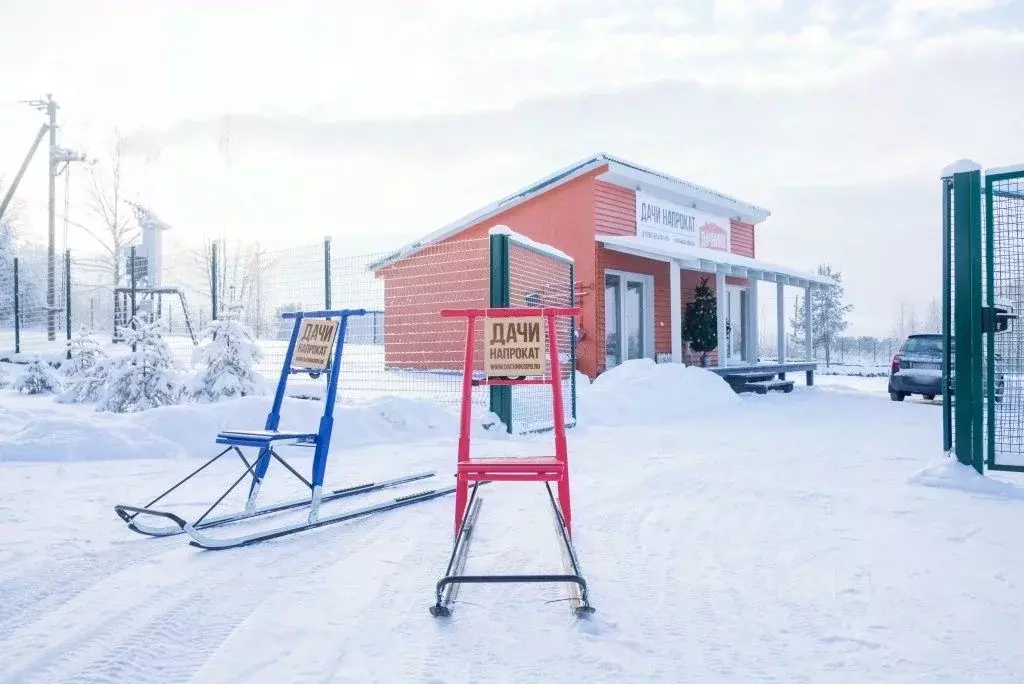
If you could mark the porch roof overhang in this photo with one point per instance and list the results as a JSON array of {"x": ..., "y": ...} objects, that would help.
[{"x": 711, "y": 261}]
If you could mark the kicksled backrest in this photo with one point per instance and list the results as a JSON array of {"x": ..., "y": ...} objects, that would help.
[{"x": 316, "y": 345}]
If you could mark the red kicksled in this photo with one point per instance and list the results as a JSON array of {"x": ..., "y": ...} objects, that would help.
[{"x": 514, "y": 354}]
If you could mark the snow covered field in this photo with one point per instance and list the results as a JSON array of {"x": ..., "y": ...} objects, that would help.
[{"x": 811, "y": 537}]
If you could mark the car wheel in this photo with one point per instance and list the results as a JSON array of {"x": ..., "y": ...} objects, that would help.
[
  {"x": 897, "y": 396},
  {"x": 929, "y": 397}
]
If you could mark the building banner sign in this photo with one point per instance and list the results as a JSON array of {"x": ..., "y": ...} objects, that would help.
[
  {"x": 659, "y": 219},
  {"x": 316, "y": 342},
  {"x": 514, "y": 347}
]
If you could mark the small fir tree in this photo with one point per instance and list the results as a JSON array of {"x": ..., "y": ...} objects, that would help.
[
  {"x": 828, "y": 313},
  {"x": 144, "y": 378},
  {"x": 700, "y": 324},
  {"x": 85, "y": 373},
  {"x": 5, "y": 378},
  {"x": 229, "y": 359},
  {"x": 39, "y": 378}
]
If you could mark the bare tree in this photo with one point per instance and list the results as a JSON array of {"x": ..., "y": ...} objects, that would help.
[
  {"x": 240, "y": 268},
  {"x": 107, "y": 203},
  {"x": 933, "y": 319},
  {"x": 906, "y": 321}
]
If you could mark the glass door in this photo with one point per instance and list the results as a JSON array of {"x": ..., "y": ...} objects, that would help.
[
  {"x": 627, "y": 314},
  {"x": 735, "y": 314},
  {"x": 612, "y": 321}
]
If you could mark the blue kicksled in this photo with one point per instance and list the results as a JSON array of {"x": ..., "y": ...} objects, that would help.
[{"x": 315, "y": 347}]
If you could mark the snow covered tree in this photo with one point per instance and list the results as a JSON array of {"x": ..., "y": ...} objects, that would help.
[
  {"x": 700, "y": 324},
  {"x": 5, "y": 378},
  {"x": 828, "y": 313},
  {"x": 39, "y": 378},
  {"x": 6, "y": 264},
  {"x": 85, "y": 373},
  {"x": 229, "y": 359},
  {"x": 144, "y": 378}
]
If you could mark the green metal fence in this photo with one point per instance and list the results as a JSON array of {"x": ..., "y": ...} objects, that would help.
[
  {"x": 983, "y": 293},
  {"x": 1004, "y": 371},
  {"x": 526, "y": 274}
]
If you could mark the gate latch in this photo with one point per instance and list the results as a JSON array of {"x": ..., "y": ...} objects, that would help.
[{"x": 997, "y": 318}]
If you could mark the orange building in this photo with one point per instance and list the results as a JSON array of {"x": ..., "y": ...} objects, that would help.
[{"x": 640, "y": 241}]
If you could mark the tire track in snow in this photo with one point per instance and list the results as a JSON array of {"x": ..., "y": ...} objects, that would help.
[
  {"x": 162, "y": 631},
  {"x": 47, "y": 584},
  {"x": 338, "y": 604}
]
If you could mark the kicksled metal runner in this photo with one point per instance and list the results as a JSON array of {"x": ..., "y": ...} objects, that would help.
[{"x": 315, "y": 347}]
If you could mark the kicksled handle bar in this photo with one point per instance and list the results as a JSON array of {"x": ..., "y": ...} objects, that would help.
[
  {"x": 511, "y": 313},
  {"x": 330, "y": 313}
]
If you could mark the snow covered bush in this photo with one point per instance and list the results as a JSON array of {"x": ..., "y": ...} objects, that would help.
[
  {"x": 85, "y": 373},
  {"x": 39, "y": 378},
  {"x": 229, "y": 359},
  {"x": 5, "y": 378},
  {"x": 145, "y": 378}
]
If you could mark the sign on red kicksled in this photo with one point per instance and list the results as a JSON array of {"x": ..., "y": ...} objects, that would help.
[{"x": 514, "y": 347}]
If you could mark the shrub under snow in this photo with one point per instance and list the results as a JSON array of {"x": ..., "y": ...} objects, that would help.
[
  {"x": 145, "y": 378},
  {"x": 39, "y": 378},
  {"x": 229, "y": 359},
  {"x": 85, "y": 373}
]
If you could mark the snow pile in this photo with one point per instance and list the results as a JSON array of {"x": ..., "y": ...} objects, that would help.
[
  {"x": 39, "y": 378},
  {"x": 189, "y": 429},
  {"x": 527, "y": 242},
  {"x": 230, "y": 360},
  {"x": 644, "y": 392},
  {"x": 949, "y": 473}
]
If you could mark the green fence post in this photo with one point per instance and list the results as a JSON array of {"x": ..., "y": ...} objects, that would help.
[
  {"x": 327, "y": 273},
  {"x": 17, "y": 310},
  {"x": 67, "y": 299},
  {"x": 990, "y": 334},
  {"x": 572, "y": 341},
  {"x": 969, "y": 408},
  {"x": 947, "y": 312},
  {"x": 501, "y": 396},
  {"x": 213, "y": 281}
]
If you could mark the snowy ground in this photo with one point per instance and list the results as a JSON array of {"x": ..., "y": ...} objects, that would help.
[{"x": 810, "y": 537}]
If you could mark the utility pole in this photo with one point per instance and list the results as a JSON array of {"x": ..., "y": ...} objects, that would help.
[
  {"x": 56, "y": 156},
  {"x": 49, "y": 105}
]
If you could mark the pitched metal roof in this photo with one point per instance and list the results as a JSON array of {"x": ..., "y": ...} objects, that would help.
[{"x": 621, "y": 167}]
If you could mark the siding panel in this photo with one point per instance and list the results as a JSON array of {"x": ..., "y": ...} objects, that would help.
[
  {"x": 614, "y": 210},
  {"x": 742, "y": 240}
]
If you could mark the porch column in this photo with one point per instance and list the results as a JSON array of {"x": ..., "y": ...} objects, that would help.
[
  {"x": 675, "y": 313},
  {"x": 720, "y": 297},
  {"x": 751, "y": 322},
  {"x": 808, "y": 328},
  {"x": 780, "y": 307}
]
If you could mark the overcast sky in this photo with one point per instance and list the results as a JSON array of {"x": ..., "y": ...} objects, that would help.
[{"x": 377, "y": 122}]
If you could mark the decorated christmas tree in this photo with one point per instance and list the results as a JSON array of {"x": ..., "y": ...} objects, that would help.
[
  {"x": 144, "y": 378},
  {"x": 229, "y": 359},
  {"x": 700, "y": 324},
  {"x": 39, "y": 378}
]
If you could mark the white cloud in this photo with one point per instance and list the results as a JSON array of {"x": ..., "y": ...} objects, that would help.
[{"x": 744, "y": 10}]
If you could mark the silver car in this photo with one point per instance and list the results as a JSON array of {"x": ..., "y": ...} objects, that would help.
[{"x": 917, "y": 369}]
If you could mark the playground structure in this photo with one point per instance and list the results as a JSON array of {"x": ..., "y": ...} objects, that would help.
[
  {"x": 145, "y": 290},
  {"x": 983, "y": 293},
  {"x": 315, "y": 347},
  {"x": 514, "y": 353}
]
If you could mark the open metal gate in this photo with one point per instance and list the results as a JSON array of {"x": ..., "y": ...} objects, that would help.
[{"x": 983, "y": 293}]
